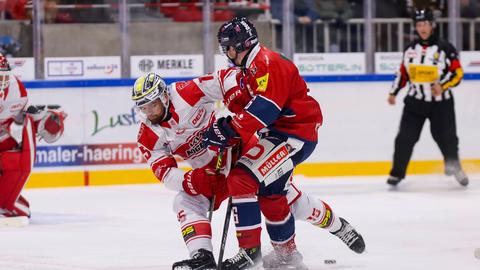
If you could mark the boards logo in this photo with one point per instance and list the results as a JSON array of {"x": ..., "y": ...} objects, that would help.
[{"x": 145, "y": 65}]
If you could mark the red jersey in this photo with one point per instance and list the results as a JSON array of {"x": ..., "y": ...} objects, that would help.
[{"x": 270, "y": 93}]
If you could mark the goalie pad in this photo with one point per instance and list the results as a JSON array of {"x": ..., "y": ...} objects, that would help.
[{"x": 15, "y": 167}]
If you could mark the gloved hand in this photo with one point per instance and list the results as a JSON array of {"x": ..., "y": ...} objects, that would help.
[
  {"x": 204, "y": 182},
  {"x": 220, "y": 133}
]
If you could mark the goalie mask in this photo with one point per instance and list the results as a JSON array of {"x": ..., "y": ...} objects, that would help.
[
  {"x": 4, "y": 73},
  {"x": 149, "y": 88}
]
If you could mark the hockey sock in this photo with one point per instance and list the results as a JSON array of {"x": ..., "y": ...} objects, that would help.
[{"x": 247, "y": 218}]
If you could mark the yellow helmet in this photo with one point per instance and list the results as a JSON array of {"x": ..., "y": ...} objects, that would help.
[{"x": 149, "y": 87}]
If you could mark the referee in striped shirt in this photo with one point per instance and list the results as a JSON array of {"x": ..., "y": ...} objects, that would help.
[{"x": 430, "y": 66}]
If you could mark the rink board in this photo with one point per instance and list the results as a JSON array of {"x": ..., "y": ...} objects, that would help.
[{"x": 98, "y": 147}]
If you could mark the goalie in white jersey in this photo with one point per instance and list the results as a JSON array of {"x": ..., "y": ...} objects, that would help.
[{"x": 173, "y": 120}]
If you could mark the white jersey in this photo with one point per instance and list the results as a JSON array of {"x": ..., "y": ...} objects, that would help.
[{"x": 192, "y": 111}]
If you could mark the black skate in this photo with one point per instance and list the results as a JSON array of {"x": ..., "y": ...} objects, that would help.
[
  {"x": 459, "y": 174},
  {"x": 393, "y": 180},
  {"x": 201, "y": 260},
  {"x": 350, "y": 237},
  {"x": 245, "y": 259}
]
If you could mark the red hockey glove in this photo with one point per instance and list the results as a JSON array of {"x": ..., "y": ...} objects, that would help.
[{"x": 204, "y": 182}]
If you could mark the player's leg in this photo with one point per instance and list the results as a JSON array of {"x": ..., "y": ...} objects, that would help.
[
  {"x": 411, "y": 126},
  {"x": 315, "y": 211},
  {"x": 15, "y": 167},
  {"x": 444, "y": 131},
  {"x": 270, "y": 164},
  {"x": 247, "y": 219},
  {"x": 196, "y": 231}
]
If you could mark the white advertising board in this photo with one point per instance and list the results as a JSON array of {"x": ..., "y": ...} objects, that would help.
[
  {"x": 387, "y": 62},
  {"x": 98, "y": 67},
  {"x": 23, "y": 67},
  {"x": 470, "y": 61},
  {"x": 330, "y": 63},
  {"x": 167, "y": 65}
]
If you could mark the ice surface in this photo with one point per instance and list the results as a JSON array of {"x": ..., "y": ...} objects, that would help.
[{"x": 429, "y": 222}]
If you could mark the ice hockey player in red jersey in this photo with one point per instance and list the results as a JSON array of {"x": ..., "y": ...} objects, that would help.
[
  {"x": 17, "y": 153},
  {"x": 173, "y": 120},
  {"x": 270, "y": 99}
]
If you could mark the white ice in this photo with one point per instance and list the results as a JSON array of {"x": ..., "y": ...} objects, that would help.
[{"x": 429, "y": 222}]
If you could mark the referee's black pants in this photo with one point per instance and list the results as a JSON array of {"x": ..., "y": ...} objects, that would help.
[{"x": 442, "y": 126}]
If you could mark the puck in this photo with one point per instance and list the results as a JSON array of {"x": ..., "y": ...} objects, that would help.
[{"x": 330, "y": 261}]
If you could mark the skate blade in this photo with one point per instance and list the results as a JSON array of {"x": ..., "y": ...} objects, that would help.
[
  {"x": 189, "y": 268},
  {"x": 18, "y": 222},
  {"x": 280, "y": 267}
]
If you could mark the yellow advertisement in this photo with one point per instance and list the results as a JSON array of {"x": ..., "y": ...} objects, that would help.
[
  {"x": 262, "y": 83},
  {"x": 423, "y": 73}
]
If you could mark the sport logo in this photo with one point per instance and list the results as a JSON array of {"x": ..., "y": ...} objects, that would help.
[
  {"x": 145, "y": 65},
  {"x": 274, "y": 159},
  {"x": 198, "y": 116}
]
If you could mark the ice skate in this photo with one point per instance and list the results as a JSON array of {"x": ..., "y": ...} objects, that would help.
[
  {"x": 393, "y": 180},
  {"x": 459, "y": 174},
  {"x": 249, "y": 258},
  {"x": 276, "y": 260},
  {"x": 350, "y": 237},
  {"x": 10, "y": 219},
  {"x": 202, "y": 260}
]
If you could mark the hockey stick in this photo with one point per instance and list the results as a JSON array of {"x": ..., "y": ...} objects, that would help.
[
  {"x": 225, "y": 233},
  {"x": 217, "y": 170}
]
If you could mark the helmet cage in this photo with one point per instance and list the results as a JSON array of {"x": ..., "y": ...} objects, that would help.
[{"x": 4, "y": 72}]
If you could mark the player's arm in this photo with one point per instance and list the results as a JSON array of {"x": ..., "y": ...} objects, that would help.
[
  {"x": 265, "y": 107},
  {"x": 455, "y": 72},
  {"x": 164, "y": 166},
  {"x": 400, "y": 81}
]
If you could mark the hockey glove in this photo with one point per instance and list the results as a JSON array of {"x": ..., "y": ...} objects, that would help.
[
  {"x": 220, "y": 133},
  {"x": 204, "y": 182}
]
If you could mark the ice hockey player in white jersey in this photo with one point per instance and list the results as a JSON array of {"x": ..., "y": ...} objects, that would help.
[{"x": 173, "y": 120}]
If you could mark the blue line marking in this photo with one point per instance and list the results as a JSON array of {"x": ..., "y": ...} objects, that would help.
[{"x": 129, "y": 82}]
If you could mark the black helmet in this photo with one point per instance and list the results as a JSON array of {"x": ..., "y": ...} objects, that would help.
[
  {"x": 423, "y": 15},
  {"x": 239, "y": 33}
]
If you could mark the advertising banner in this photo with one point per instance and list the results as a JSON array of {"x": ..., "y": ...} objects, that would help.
[
  {"x": 98, "y": 67},
  {"x": 470, "y": 61},
  {"x": 100, "y": 129},
  {"x": 330, "y": 63},
  {"x": 387, "y": 62},
  {"x": 23, "y": 67},
  {"x": 167, "y": 65}
]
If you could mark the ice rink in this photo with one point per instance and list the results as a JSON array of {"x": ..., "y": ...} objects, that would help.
[{"x": 429, "y": 222}]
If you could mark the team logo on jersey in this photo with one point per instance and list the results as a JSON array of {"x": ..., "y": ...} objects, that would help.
[{"x": 262, "y": 83}]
